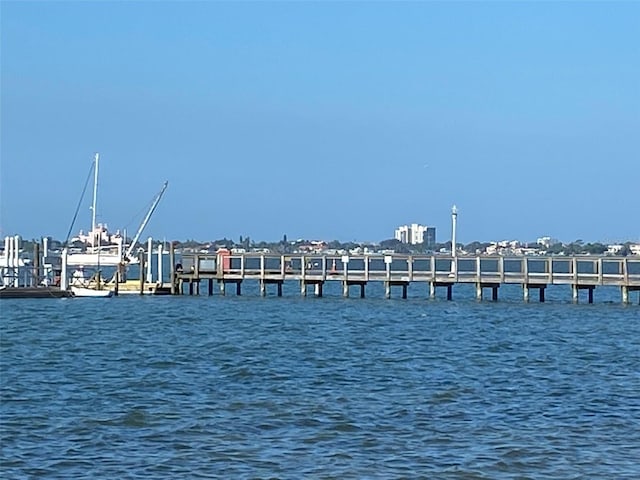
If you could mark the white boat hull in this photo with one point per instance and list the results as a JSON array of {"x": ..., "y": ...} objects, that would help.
[
  {"x": 93, "y": 260},
  {"x": 91, "y": 292}
]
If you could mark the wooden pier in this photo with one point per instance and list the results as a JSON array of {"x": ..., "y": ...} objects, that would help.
[{"x": 395, "y": 270}]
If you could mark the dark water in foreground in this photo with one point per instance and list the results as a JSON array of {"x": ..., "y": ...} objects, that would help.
[{"x": 253, "y": 387}]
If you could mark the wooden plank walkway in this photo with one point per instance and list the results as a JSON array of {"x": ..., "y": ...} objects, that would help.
[{"x": 534, "y": 272}]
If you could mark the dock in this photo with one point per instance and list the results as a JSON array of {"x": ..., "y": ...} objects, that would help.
[{"x": 396, "y": 271}]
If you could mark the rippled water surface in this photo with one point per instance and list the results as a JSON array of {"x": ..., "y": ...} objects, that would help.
[{"x": 249, "y": 387}]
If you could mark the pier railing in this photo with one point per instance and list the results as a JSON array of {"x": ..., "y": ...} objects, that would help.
[{"x": 578, "y": 270}]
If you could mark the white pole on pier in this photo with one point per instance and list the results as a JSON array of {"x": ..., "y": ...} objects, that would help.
[
  {"x": 45, "y": 254},
  {"x": 63, "y": 270},
  {"x": 454, "y": 226},
  {"x": 160, "y": 279},
  {"x": 149, "y": 253},
  {"x": 16, "y": 260},
  {"x": 8, "y": 253}
]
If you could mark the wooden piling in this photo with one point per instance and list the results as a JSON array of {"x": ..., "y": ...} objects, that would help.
[{"x": 172, "y": 266}]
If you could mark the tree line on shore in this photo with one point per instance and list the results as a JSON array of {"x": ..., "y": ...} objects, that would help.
[{"x": 284, "y": 246}]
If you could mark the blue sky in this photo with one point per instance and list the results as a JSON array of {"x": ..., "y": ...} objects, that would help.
[{"x": 323, "y": 120}]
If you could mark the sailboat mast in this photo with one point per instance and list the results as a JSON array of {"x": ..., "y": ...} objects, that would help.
[{"x": 95, "y": 199}]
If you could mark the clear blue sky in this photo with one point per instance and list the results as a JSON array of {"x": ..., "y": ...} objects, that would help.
[{"x": 324, "y": 120}]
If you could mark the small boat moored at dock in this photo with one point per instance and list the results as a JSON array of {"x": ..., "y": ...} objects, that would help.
[{"x": 91, "y": 292}]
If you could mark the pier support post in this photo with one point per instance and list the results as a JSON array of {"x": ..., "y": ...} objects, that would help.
[
  {"x": 449, "y": 292},
  {"x": 210, "y": 287},
  {"x": 279, "y": 289},
  {"x": 116, "y": 282},
  {"x": 625, "y": 294},
  {"x": 478, "y": 291},
  {"x": 63, "y": 270},
  {"x": 494, "y": 294},
  {"x": 36, "y": 265},
  {"x": 432, "y": 290},
  {"x": 362, "y": 290},
  {"x": 303, "y": 288},
  {"x": 591, "y": 289},
  {"x": 525, "y": 292},
  {"x": 541, "y": 293},
  {"x": 387, "y": 289},
  {"x": 263, "y": 289},
  {"x": 222, "y": 288},
  {"x": 190, "y": 287},
  {"x": 238, "y": 288},
  {"x": 574, "y": 293},
  {"x": 318, "y": 290},
  {"x": 404, "y": 291},
  {"x": 345, "y": 289}
]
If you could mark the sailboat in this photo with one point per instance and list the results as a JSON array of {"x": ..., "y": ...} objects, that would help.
[
  {"x": 95, "y": 286},
  {"x": 113, "y": 254},
  {"x": 91, "y": 289},
  {"x": 108, "y": 255}
]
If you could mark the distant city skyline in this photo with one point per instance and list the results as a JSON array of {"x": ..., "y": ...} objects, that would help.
[{"x": 335, "y": 121}]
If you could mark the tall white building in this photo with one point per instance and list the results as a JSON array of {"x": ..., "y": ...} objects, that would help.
[{"x": 415, "y": 234}]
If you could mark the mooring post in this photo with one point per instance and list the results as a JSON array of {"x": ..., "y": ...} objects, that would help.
[
  {"x": 318, "y": 289},
  {"x": 63, "y": 270},
  {"x": 116, "y": 281},
  {"x": 36, "y": 264},
  {"x": 141, "y": 256}
]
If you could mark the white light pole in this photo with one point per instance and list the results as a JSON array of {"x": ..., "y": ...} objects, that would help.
[{"x": 454, "y": 222}]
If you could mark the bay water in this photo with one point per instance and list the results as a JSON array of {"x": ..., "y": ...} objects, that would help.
[{"x": 293, "y": 387}]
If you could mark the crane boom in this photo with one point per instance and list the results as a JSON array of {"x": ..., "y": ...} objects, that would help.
[{"x": 145, "y": 221}]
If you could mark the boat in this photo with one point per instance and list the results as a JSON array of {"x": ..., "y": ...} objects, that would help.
[
  {"x": 99, "y": 246},
  {"x": 91, "y": 292},
  {"x": 95, "y": 286}
]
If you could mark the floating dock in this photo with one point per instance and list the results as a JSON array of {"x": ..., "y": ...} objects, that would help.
[{"x": 33, "y": 292}]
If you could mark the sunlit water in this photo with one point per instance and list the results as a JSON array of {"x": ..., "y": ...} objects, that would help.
[{"x": 250, "y": 387}]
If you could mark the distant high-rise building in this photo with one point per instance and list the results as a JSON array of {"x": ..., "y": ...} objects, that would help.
[
  {"x": 430, "y": 237},
  {"x": 415, "y": 234}
]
